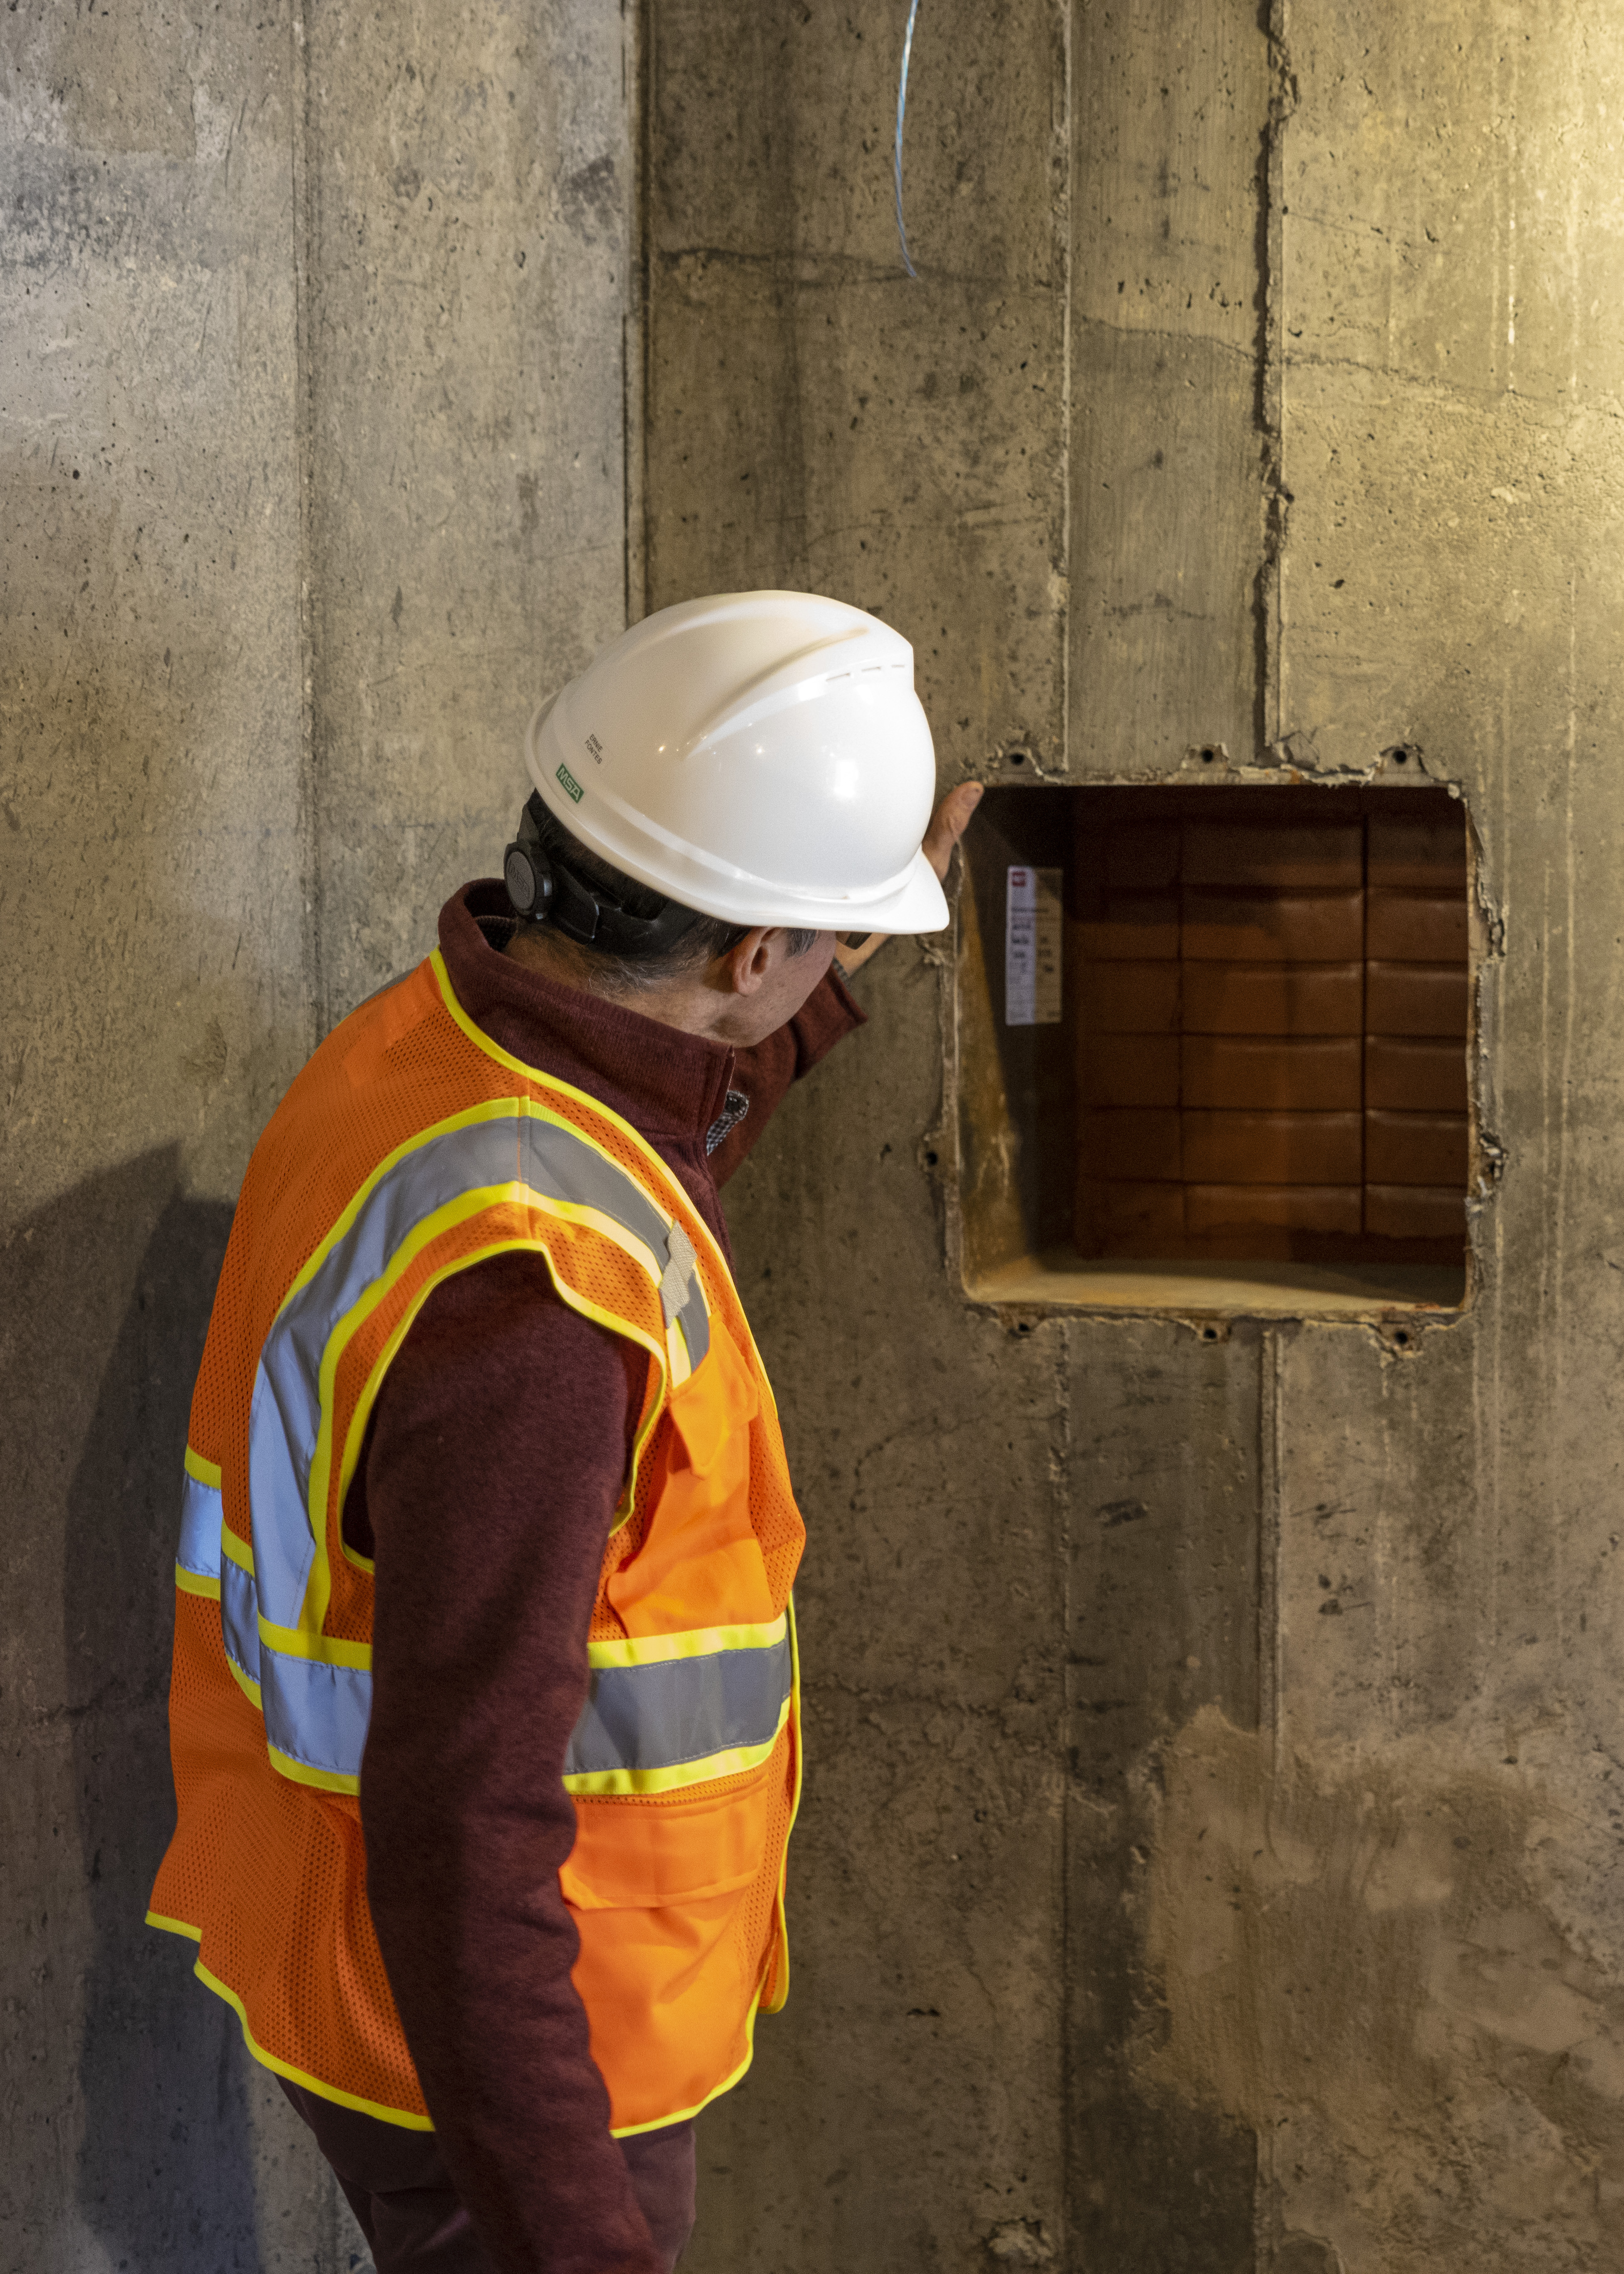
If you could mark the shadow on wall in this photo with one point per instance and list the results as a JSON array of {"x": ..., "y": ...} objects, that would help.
[{"x": 165, "y": 2173}]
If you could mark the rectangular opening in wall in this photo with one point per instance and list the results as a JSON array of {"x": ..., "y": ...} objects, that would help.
[{"x": 1212, "y": 1048}]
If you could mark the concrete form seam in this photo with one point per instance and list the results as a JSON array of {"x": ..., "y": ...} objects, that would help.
[
  {"x": 1270, "y": 1712},
  {"x": 303, "y": 446},
  {"x": 1062, "y": 1501},
  {"x": 1068, "y": 271},
  {"x": 942, "y": 1137},
  {"x": 1270, "y": 1496},
  {"x": 636, "y": 330},
  {"x": 1276, "y": 496},
  {"x": 1488, "y": 1152}
]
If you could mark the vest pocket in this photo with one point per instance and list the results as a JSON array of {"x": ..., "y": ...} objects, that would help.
[
  {"x": 642, "y": 1855},
  {"x": 700, "y": 1563}
]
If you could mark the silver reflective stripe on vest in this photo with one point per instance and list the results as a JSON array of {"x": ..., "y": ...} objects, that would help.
[
  {"x": 200, "y": 1519},
  {"x": 239, "y": 1619},
  {"x": 286, "y": 1413},
  {"x": 636, "y": 1718},
  {"x": 315, "y": 1713},
  {"x": 659, "y": 1716}
]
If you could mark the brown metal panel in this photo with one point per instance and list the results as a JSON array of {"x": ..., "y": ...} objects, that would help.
[
  {"x": 1271, "y": 1148},
  {"x": 1279, "y": 856},
  {"x": 1273, "y": 999},
  {"x": 1415, "y": 1211},
  {"x": 1415, "y": 1075},
  {"x": 1132, "y": 1143},
  {"x": 1131, "y": 928},
  {"x": 1329, "y": 1208},
  {"x": 1129, "y": 998},
  {"x": 1426, "y": 853},
  {"x": 1415, "y": 998},
  {"x": 1272, "y": 927},
  {"x": 1416, "y": 1148},
  {"x": 1274, "y": 1074},
  {"x": 1139, "y": 857},
  {"x": 1413, "y": 928},
  {"x": 1131, "y": 1070},
  {"x": 1301, "y": 1026},
  {"x": 1132, "y": 1219}
]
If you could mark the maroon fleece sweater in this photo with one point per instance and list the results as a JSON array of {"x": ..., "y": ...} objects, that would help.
[{"x": 487, "y": 1481}]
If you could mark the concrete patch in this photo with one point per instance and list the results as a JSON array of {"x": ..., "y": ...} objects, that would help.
[{"x": 1366, "y": 1959}]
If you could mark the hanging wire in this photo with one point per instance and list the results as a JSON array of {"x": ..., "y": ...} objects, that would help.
[{"x": 902, "y": 104}]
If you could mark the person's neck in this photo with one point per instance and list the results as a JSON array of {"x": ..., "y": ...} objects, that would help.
[{"x": 688, "y": 1003}]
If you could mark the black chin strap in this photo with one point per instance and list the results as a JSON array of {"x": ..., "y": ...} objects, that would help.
[{"x": 544, "y": 891}]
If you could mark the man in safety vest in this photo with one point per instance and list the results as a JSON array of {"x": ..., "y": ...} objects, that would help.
[{"x": 484, "y": 1713}]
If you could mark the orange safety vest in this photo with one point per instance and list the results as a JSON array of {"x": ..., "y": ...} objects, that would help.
[{"x": 410, "y": 1148}]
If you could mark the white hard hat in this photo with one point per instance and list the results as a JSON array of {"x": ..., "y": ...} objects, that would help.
[{"x": 761, "y": 757}]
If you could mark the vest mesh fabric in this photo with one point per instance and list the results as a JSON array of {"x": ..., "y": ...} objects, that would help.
[{"x": 270, "y": 1878}]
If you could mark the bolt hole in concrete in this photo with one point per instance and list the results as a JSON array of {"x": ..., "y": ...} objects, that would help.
[
  {"x": 1018, "y": 758},
  {"x": 1209, "y": 757},
  {"x": 1213, "y": 1048}
]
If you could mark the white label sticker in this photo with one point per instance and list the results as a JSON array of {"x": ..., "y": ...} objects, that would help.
[{"x": 1032, "y": 949}]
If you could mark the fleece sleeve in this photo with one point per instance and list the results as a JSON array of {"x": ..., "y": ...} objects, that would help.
[{"x": 493, "y": 1462}]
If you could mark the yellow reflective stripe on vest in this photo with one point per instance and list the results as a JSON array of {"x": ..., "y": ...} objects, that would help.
[{"x": 669, "y": 1710}]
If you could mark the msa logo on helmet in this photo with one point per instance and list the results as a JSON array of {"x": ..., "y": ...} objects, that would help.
[{"x": 569, "y": 783}]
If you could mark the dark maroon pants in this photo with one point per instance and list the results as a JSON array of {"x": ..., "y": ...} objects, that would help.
[{"x": 402, "y": 2197}]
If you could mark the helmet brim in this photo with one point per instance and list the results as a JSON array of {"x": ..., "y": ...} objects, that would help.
[{"x": 919, "y": 905}]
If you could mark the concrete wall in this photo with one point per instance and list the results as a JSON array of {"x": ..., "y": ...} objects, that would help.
[
  {"x": 313, "y": 481},
  {"x": 1209, "y": 1858}
]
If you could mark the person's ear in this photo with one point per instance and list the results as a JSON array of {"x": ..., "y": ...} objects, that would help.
[{"x": 748, "y": 964}]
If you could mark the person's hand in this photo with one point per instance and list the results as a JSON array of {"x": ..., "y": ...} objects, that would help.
[{"x": 948, "y": 824}]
